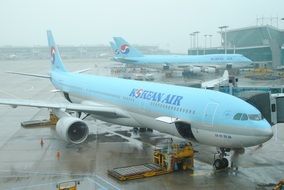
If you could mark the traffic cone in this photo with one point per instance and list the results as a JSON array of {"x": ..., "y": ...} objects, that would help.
[{"x": 58, "y": 155}]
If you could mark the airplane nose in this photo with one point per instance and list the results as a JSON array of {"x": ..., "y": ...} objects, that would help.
[
  {"x": 268, "y": 132},
  {"x": 265, "y": 132}
]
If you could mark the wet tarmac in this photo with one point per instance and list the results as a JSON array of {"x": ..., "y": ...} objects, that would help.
[{"x": 26, "y": 164}]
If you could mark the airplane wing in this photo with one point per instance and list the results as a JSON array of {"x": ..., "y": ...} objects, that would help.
[
  {"x": 101, "y": 110},
  {"x": 170, "y": 120},
  {"x": 42, "y": 76},
  {"x": 166, "y": 119},
  {"x": 29, "y": 74},
  {"x": 215, "y": 82}
]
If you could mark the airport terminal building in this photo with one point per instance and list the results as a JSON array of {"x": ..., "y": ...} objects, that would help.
[{"x": 262, "y": 44}]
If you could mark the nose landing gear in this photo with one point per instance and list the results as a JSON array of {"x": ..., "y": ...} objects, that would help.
[{"x": 221, "y": 162}]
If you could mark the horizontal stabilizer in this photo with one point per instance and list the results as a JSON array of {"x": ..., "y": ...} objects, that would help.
[{"x": 29, "y": 74}]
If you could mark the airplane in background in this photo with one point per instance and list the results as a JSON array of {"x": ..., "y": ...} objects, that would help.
[
  {"x": 216, "y": 82},
  {"x": 125, "y": 53},
  {"x": 115, "y": 51},
  {"x": 205, "y": 116}
]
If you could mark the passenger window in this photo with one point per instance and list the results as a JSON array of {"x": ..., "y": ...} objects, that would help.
[
  {"x": 244, "y": 117},
  {"x": 237, "y": 116}
]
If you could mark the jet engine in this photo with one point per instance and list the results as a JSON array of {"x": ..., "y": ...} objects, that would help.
[
  {"x": 72, "y": 129},
  {"x": 209, "y": 70}
]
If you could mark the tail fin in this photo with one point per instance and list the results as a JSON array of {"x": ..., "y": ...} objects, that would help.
[
  {"x": 115, "y": 49},
  {"x": 125, "y": 49},
  {"x": 56, "y": 61}
]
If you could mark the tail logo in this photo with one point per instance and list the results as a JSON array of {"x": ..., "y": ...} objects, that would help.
[
  {"x": 52, "y": 54},
  {"x": 116, "y": 52},
  {"x": 124, "y": 49}
]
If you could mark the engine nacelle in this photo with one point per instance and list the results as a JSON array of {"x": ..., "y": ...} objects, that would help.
[
  {"x": 195, "y": 69},
  {"x": 72, "y": 129},
  {"x": 209, "y": 70}
]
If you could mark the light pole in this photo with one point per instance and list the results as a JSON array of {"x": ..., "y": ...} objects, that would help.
[
  {"x": 225, "y": 36},
  {"x": 191, "y": 40},
  {"x": 205, "y": 40},
  {"x": 221, "y": 32},
  {"x": 196, "y": 33},
  {"x": 210, "y": 38}
]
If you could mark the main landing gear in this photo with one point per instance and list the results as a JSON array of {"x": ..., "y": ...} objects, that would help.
[{"x": 221, "y": 162}]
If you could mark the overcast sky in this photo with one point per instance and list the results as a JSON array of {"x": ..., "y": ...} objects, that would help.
[{"x": 166, "y": 23}]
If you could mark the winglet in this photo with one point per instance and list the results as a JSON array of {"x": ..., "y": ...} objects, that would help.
[{"x": 56, "y": 61}]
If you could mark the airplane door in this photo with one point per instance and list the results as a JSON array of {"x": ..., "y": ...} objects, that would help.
[{"x": 209, "y": 114}]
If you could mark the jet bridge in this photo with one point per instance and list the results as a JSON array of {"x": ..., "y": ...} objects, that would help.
[
  {"x": 262, "y": 102},
  {"x": 277, "y": 107}
]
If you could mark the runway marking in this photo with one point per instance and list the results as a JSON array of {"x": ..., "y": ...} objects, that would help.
[
  {"x": 95, "y": 182},
  {"x": 46, "y": 173},
  {"x": 107, "y": 182},
  {"x": 88, "y": 176},
  {"x": 30, "y": 186},
  {"x": 111, "y": 185}
]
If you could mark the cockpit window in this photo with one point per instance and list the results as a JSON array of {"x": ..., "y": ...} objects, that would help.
[
  {"x": 237, "y": 116},
  {"x": 244, "y": 117},
  {"x": 255, "y": 117}
]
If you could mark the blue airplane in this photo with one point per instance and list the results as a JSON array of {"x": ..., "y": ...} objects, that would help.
[
  {"x": 125, "y": 53},
  {"x": 205, "y": 116}
]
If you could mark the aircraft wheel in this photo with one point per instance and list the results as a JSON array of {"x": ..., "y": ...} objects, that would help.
[
  {"x": 135, "y": 129},
  {"x": 149, "y": 130},
  {"x": 142, "y": 130},
  {"x": 218, "y": 164},
  {"x": 225, "y": 162}
]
